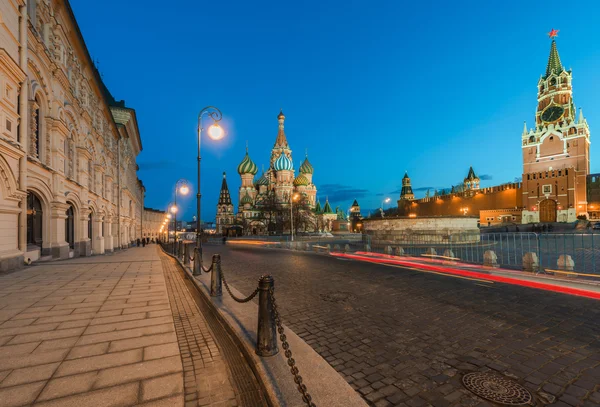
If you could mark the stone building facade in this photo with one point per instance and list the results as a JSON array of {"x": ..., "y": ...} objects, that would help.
[
  {"x": 67, "y": 148},
  {"x": 152, "y": 223}
]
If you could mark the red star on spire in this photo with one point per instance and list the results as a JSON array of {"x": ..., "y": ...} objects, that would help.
[{"x": 553, "y": 33}]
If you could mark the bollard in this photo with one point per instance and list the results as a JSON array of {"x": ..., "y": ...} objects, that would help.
[
  {"x": 216, "y": 286},
  {"x": 347, "y": 248},
  {"x": 531, "y": 262},
  {"x": 307, "y": 247},
  {"x": 367, "y": 247},
  {"x": 448, "y": 253},
  {"x": 399, "y": 251},
  {"x": 388, "y": 250},
  {"x": 565, "y": 262},
  {"x": 490, "y": 259},
  {"x": 186, "y": 255},
  {"x": 431, "y": 251},
  {"x": 328, "y": 247},
  {"x": 180, "y": 248},
  {"x": 336, "y": 247},
  {"x": 266, "y": 337},
  {"x": 197, "y": 267}
]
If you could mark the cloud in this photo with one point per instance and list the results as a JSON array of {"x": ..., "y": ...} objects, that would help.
[
  {"x": 423, "y": 188},
  {"x": 485, "y": 177},
  {"x": 380, "y": 194},
  {"x": 339, "y": 192}
]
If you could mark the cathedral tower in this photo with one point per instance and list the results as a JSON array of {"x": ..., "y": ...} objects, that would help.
[
  {"x": 225, "y": 215},
  {"x": 247, "y": 170},
  {"x": 556, "y": 151}
]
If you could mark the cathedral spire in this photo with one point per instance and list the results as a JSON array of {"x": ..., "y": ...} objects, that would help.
[
  {"x": 524, "y": 128},
  {"x": 281, "y": 140},
  {"x": 554, "y": 65},
  {"x": 580, "y": 116},
  {"x": 224, "y": 197}
]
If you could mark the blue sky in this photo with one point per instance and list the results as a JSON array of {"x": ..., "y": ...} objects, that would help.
[{"x": 370, "y": 89}]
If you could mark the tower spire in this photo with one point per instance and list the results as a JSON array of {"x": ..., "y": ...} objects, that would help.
[
  {"x": 554, "y": 65},
  {"x": 281, "y": 140},
  {"x": 524, "y": 128},
  {"x": 224, "y": 196},
  {"x": 580, "y": 116}
]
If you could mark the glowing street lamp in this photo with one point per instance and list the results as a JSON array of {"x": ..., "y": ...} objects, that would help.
[
  {"x": 182, "y": 187},
  {"x": 215, "y": 132}
]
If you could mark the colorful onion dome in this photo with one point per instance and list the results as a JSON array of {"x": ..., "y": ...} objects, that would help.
[
  {"x": 247, "y": 199},
  {"x": 247, "y": 166},
  {"x": 306, "y": 167},
  {"x": 262, "y": 180},
  {"x": 301, "y": 180},
  {"x": 283, "y": 163}
]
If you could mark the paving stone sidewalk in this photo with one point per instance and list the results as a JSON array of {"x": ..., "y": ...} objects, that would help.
[{"x": 94, "y": 331}]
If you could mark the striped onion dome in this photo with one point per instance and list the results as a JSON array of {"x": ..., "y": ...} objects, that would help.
[
  {"x": 283, "y": 163},
  {"x": 262, "y": 180},
  {"x": 247, "y": 199},
  {"x": 301, "y": 180},
  {"x": 306, "y": 167},
  {"x": 247, "y": 166}
]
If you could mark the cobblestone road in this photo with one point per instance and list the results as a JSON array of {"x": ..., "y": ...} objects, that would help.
[{"x": 404, "y": 338}]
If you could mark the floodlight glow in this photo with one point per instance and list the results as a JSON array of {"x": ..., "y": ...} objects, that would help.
[{"x": 216, "y": 132}]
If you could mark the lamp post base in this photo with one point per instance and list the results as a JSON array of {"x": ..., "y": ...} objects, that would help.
[{"x": 197, "y": 262}]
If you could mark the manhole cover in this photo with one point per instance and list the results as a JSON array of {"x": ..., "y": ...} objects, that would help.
[
  {"x": 337, "y": 297},
  {"x": 496, "y": 388}
]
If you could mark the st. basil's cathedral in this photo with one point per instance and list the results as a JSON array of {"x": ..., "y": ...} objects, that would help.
[{"x": 278, "y": 186}]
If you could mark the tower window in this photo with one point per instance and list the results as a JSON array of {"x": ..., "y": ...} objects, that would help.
[{"x": 551, "y": 138}]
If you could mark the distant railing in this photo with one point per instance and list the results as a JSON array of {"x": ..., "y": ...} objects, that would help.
[{"x": 576, "y": 252}]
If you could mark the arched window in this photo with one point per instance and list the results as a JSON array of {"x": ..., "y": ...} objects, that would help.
[
  {"x": 90, "y": 175},
  {"x": 35, "y": 127},
  {"x": 552, "y": 81}
]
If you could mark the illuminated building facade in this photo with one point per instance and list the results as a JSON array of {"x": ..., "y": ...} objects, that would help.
[{"x": 68, "y": 148}]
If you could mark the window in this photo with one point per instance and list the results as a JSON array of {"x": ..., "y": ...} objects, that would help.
[
  {"x": 551, "y": 138},
  {"x": 8, "y": 125},
  {"x": 547, "y": 189}
]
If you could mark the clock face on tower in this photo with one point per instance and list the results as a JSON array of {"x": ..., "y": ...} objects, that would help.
[{"x": 552, "y": 113}]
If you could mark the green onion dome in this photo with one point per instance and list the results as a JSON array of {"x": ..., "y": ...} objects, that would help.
[
  {"x": 301, "y": 180},
  {"x": 262, "y": 181},
  {"x": 306, "y": 167},
  {"x": 247, "y": 166},
  {"x": 283, "y": 163},
  {"x": 247, "y": 199}
]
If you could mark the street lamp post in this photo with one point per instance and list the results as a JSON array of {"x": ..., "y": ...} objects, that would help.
[
  {"x": 292, "y": 197},
  {"x": 180, "y": 186},
  {"x": 216, "y": 133}
]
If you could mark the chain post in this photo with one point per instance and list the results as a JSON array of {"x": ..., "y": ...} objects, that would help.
[
  {"x": 266, "y": 338},
  {"x": 197, "y": 262},
  {"x": 216, "y": 288},
  {"x": 186, "y": 254}
]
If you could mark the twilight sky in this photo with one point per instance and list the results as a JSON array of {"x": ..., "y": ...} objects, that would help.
[{"x": 370, "y": 89}]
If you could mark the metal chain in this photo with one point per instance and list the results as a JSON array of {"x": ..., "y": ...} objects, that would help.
[
  {"x": 207, "y": 270},
  {"x": 288, "y": 354},
  {"x": 240, "y": 300}
]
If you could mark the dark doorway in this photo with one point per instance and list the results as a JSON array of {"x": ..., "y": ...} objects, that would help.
[
  {"x": 34, "y": 220},
  {"x": 70, "y": 227},
  {"x": 90, "y": 226},
  {"x": 548, "y": 211}
]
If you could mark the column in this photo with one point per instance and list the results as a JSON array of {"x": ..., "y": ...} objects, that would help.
[
  {"x": 98, "y": 239},
  {"x": 108, "y": 236},
  {"x": 59, "y": 248},
  {"x": 85, "y": 244}
]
